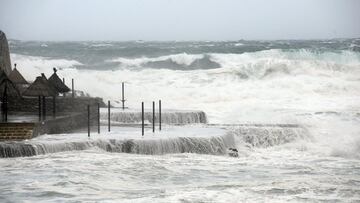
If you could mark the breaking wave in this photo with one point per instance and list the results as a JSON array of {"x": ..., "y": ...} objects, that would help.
[
  {"x": 216, "y": 145},
  {"x": 267, "y": 136},
  {"x": 176, "y": 62},
  {"x": 241, "y": 137},
  {"x": 255, "y": 64}
]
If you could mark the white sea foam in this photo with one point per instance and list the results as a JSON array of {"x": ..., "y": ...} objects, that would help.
[
  {"x": 320, "y": 91},
  {"x": 32, "y": 66},
  {"x": 249, "y": 87},
  {"x": 263, "y": 87}
]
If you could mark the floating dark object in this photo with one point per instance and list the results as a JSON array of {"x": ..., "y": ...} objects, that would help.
[
  {"x": 58, "y": 83},
  {"x": 233, "y": 152},
  {"x": 16, "y": 77}
]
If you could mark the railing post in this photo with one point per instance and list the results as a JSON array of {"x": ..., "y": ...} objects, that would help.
[
  {"x": 160, "y": 115},
  {"x": 88, "y": 110},
  {"x": 109, "y": 115},
  {"x": 72, "y": 88},
  {"x": 153, "y": 117},
  {"x": 98, "y": 121},
  {"x": 142, "y": 118},
  {"x": 123, "y": 96}
]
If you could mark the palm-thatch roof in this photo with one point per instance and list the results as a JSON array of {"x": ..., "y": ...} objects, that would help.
[
  {"x": 6, "y": 82},
  {"x": 57, "y": 83},
  {"x": 40, "y": 87},
  {"x": 17, "y": 78}
]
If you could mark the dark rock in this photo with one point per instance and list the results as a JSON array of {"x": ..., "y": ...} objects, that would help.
[
  {"x": 233, "y": 152},
  {"x": 5, "y": 63}
]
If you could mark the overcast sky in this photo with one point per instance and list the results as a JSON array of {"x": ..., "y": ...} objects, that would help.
[{"x": 179, "y": 19}]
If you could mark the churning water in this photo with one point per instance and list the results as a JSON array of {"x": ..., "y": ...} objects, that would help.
[{"x": 314, "y": 85}]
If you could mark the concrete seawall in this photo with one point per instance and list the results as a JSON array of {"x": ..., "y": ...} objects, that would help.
[{"x": 168, "y": 116}]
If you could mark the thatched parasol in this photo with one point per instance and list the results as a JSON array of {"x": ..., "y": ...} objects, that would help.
[
  {"x": 11, "y": 87},
  {"x": 40, "y": 87},
  {"x": 17, "y": 78},
  {"x": 57, "y": 83}
]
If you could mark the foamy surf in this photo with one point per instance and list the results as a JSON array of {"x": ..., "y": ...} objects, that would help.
[{"x": 249, "y": 85}]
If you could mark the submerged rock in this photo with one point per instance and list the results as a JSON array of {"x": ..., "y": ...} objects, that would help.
[
  {"x": 5, "y": 63},
  {"x": 233, "y": 152}
]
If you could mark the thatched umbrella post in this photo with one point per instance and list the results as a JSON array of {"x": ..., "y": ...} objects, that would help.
[
  {"x": 39, "y": 107},
  {"x": 59, "y": 86},
  {"x": 9, "y": 88},
  {"x": 44, "y": 107},
  {"x": 54, "y": 106},
  {"x": 41, "y": 88}
]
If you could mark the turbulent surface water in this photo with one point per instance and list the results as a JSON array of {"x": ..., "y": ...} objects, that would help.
[{"x": 314, "y": 84}]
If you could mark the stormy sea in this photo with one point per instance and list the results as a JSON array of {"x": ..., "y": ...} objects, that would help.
[{"x": 290, "y": 108}]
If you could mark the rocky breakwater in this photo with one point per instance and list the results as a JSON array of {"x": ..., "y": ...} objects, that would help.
[{"x": 5, "y": 63}]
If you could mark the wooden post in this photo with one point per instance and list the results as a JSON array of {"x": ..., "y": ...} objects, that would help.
[
  {"x": 54, "y": 106},
  {"x": 109, "y": 115},
  {"x": 39, "y": 108},
  {"x": 153, "y": 117},
  {"x": 44, "y": 107},
  {"x": 142, "y": 118},
  {"x": 88, "y": 109},
  {"x": 123, "y": 96},
  {"x": 160, "y": 115},
  {"x": 98, "y": 105},
  {"x": 72, "y": 87}
]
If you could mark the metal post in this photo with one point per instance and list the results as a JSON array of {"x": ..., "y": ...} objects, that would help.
[
  {"x": 88, "y": 109},
  {"x": 72, "y": 86},
  {"x": 109, "y": 116},
  {"x": 39, "y": 108},
  {"x": 142, "y": 118},
  {"x": 44, "y": 107},
  {"x": 54, "y": 106},
  {"x": 98, "y": 105},
  {"x": 160, "y": 115},
  {"x": 153, "y": 120},
  {"x": 123, "y": 96}
]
